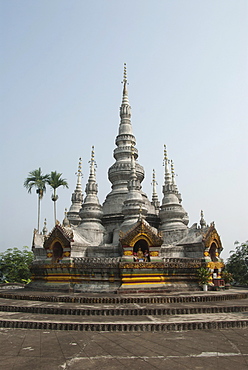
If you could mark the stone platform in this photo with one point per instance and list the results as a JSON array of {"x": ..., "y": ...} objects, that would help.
[{"x": 111, "y": 312}]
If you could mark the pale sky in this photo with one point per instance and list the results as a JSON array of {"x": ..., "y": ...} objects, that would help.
[{"x": 61, "y": 68}]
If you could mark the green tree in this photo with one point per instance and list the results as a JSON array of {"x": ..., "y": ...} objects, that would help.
[
  {"x": 237, "y": 263},
  {"x": 55, "y": 181},
  {"x": 14, "y": 265},
  {"x": 37, "y": 180}
]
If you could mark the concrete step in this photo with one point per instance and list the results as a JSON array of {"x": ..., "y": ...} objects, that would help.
[
  {"x": 124, "y": 324},
  {"x": 94, "y": 312},
  {"x": 130, "y": 309},
  {"x": 177, "y": 297}
]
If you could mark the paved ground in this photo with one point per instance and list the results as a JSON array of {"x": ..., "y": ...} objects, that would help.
[{"x": 202, "y": 349}]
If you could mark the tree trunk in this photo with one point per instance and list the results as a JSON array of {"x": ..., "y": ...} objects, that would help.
[
  {"x": 38, "y": 213},
  {"x": 54, "y": 206}
]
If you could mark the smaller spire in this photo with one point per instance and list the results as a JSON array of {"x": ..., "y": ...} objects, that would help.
[
  {"x": 125, "y": 73},
  {"x": 155, "y": 200},
  {"x": 92, "y": 162},
  {"x": 66, "y": 222},
  {"x": 125, "y": 100},
  {"x": 76, "y": 198},
  {"x": 167, "y": 174},
  {"x": 202, "y": 221},
  {"x": 44, "y": 230},
  {"x": 173, "y": 181},
  {"x": 91, "y": 186}
]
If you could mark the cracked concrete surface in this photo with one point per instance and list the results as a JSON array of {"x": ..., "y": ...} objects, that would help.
[{"x": 207, "y": 349}]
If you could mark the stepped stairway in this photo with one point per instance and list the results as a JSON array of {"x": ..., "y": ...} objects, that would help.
[{"x": 112, "y": 312}]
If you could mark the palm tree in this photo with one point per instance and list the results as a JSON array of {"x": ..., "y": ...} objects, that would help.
[
  {"x": 56, "y": 181},
  {"x": 37, "y": 180}
]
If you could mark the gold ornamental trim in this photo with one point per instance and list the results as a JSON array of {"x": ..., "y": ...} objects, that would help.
[
  {"x": 211, "y": 237},
  {"x": 215, "y": 265},
  {"x": 66, "y": 254},
  {"x": 154, "y": 254},
  {"x": 142, "y": 230},
  {"x": 142, "y": 265},
  {"x": 128, "y": 253}
]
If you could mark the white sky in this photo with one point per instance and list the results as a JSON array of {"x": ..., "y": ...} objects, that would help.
[{"x": 61, "y": 68}]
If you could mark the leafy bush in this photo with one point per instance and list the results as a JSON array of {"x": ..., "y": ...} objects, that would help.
[
  {"x": 203, "y": 275},
  {"x": 237, "y": 263},
  {"x": 14, "y": 265}
]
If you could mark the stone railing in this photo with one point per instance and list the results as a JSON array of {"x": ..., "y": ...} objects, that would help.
[{"x": 97, "y": 262}]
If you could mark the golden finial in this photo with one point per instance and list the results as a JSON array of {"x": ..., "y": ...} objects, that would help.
[
  {"x": 125, "y": 73},
  {"x": 65, "y": 212},
  {"x": 154, "y": 182},
  {"x": 79, "y": 171},
  {"x": 165, "y": 156},
  {"x": 172, "y": 168},
  {"x": 93, "y": 153}
]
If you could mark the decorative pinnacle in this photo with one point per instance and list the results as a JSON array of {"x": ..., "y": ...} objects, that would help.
[
  {"x": 167, "y": 174},
  {"x": 44, "y": 230},
  {"x": 166, "y": 161},
  {"x": 172, "y": 169},
  {"x": 92, "y": 161},
  {"x": 165, "y": 155},
  {"x": 154, "y": 182},
  {"x": 125, "y": 74},
  {"x": 79, "y": 171},
  {"x": 65, "y": 212},
  {"x": 79, "y": 175},
  {"x": 202, "y": 220}
]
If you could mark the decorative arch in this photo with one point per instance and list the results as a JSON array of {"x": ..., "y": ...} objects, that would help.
[
  {"x": 58, "y": 243},
  {"x": 145, "y": 234},
  {"x": 57, "y": 249}
]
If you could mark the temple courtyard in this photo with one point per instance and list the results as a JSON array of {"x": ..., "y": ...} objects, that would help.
[
  {"x": 189, "y": 330},
  {"x": 45, "y": 349}
]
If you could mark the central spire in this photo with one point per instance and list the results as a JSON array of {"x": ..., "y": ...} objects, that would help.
[
  {"x": 119, "y": 172},
  {"x": 125, "y": 108},
  {"x": 125, "y": 100}
]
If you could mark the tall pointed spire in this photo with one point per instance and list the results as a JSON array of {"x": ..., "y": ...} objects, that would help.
[
  {"x": 76, "y": 198},
  {"x": 173, "y": 183},
  {"x": 91, "y": 187},
  {"x": 167, "y": 173},
  {"x": 125, "y": 101},
  {"x": 155, "y": 200},
  {"x": 119, "y": 173},
  {"x": 91, "y": 211},
  {"x": 172, "y": 214}
]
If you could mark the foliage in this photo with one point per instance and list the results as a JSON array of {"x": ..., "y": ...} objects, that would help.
[
  {"x": 55, "y": 181},
  {"x": 227, "y": 276},
  {"x": 37, "y": 180},
  {"x": 203, "y": 275},
  {"x": 237, "y": 263},
  {"x": 14, "y": 265}
]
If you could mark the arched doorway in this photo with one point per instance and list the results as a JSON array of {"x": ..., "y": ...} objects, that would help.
[
  {"x": 141, "y": 251},
  {"x": 57, "y": 252},
  {"x": 212, "y": 252}
]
